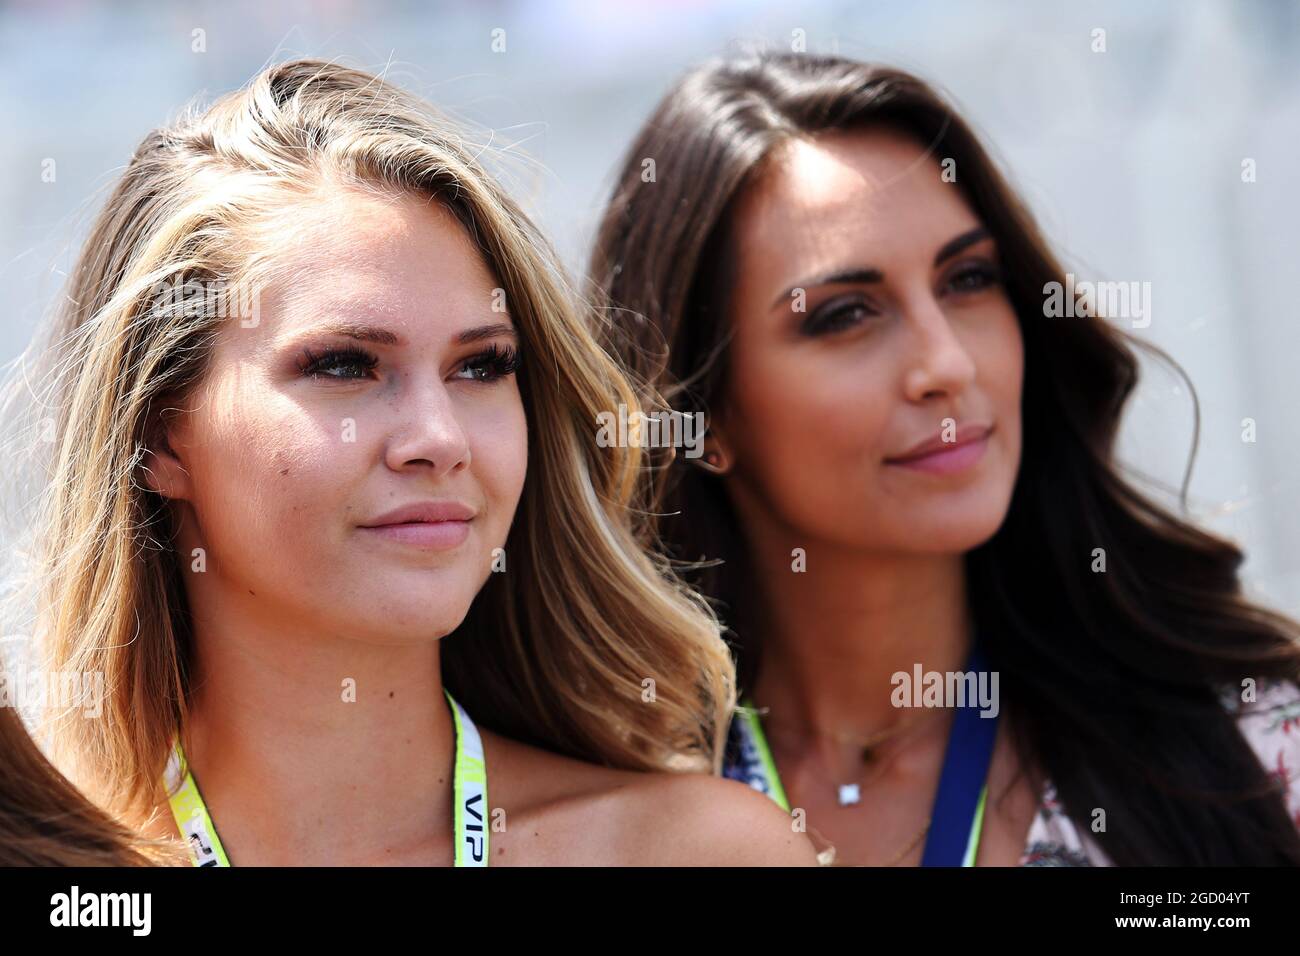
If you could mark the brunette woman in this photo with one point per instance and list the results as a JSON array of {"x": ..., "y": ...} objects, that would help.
[{"x": 910, "y": 471}]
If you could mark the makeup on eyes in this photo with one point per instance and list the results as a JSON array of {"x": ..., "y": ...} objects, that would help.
[
  {"x": 489, "y": 364},
  {"x": 498, "y": 361},
  {"x": 313, "y": 363},
  {"x": 841, "y": 312},
  {"x": 985, "y": 270},
  {"x": 849, "y": 309}
]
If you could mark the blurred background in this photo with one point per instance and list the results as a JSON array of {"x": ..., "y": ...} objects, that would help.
[{"x": 1161, "y": 150}]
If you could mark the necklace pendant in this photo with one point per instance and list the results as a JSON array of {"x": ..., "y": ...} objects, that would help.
[{"x": 849, "y": 794}]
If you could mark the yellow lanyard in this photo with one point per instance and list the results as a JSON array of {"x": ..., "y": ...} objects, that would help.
[{"x": 469, "y": 793}]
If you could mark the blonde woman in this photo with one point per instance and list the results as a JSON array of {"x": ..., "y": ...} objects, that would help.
[{"x": 322, "y": 400}]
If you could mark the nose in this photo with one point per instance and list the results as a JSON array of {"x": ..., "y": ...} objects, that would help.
[
  {"x": 428, "y": 432},
  {"x": 938, "y": 364}
]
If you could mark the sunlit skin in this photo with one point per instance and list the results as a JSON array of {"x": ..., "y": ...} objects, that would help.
[
  {"x": 905, "y": 334},
  {"x": 378, "y": 375}
]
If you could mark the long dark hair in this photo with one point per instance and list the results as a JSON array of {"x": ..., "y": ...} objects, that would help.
[
  {"x": 1116, "y": 677},
  {"x": 45, "y": 820}
]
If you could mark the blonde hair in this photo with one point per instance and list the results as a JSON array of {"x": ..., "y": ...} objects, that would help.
[{"x": 564, "y": 661}]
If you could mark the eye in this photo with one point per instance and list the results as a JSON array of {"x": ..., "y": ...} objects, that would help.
[
  {"x": 348, "y": 363},
  {"x": 838, "y": 314},
  {"x": 973, "y": 277},
  {"x": 491, "y": 364}
]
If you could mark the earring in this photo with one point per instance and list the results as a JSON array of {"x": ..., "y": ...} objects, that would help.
[{"x": 712, "y": 462}]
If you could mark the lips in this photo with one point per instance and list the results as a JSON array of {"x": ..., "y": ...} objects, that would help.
[
  {"x": 423, "y": 512},
  {"x": 965, "y": 435},
  {"x": 426, "y": 525}
]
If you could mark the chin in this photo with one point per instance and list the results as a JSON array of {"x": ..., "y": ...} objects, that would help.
[
  {"x": 955, "y": 529},
  {"x": 401, "y": 630},
  {"x": 405, "y": 612}
]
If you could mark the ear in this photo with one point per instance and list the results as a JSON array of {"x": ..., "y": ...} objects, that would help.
[
  {"x": 717, "y": 457},
  {"x": 161, "y": 469}
]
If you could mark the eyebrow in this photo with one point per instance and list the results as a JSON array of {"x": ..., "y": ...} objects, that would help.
[
  {"x": 486, "y": 332},
  {"x": 382, "y": 336},
  {"x": 865, "y": 275}
]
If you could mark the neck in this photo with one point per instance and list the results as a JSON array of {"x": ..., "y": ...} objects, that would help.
[
  {"x": 834, "y": 636},
  {"x": 310, "y": 747}
]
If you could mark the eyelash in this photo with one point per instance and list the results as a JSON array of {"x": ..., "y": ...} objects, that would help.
[
  {"x": 312, "y": 364},
  {"x": 841, "y": 313},
  {"x": 498, "y": 362},
  {"x": 986, "y": 272}
]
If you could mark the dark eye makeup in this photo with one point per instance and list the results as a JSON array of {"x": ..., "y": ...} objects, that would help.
[
  {"x": 326, "y": 363},
  {"x": 493, "y": 363},
  {"x": 841, "y": 312},
  {"x": 353, "y": 364},
  {"x": 851, "y": 309},
  {"x": 974, "y": 276}
]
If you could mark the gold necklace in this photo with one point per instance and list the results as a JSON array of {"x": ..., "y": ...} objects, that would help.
[
  {"x": 826, "y": 857},
  {"x": 893, "y": 861}
]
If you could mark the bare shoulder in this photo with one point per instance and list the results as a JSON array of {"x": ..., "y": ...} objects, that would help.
[
  {"x": 560, "y": 811},
  {"x": 700, "y": 820}
]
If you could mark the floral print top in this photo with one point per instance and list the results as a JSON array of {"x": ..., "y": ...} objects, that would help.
[{"x": 1270, "y": 724}]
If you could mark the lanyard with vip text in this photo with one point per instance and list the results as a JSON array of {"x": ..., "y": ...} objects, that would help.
[
  {"x": 469, "y": 794},
  {"x": 958, "y": 813}
]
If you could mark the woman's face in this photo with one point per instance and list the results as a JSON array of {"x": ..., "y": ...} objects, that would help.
[
  {"x": 378, "y": 376},
  {"x": 903, "y": 335}
]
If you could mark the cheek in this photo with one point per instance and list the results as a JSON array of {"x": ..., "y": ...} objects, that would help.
[
  {"x": 1009, "y": 352},
  {"x": 808, "y": 428},
  {"x": 1001, "y": 365},
  {"x": 818, "y": 402},
  {"x": 499, "y": 460},
  {"x": 266, "y": 472}
]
